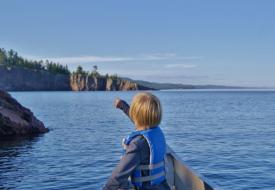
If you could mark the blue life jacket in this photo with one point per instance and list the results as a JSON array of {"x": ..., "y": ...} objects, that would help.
[{"x": 157, "y": 144}]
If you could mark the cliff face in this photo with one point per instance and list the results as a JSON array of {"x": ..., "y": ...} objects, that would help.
[
  {"x": 22, "y": 79},
  {"x": 16, "y": 120},
  {"x": 122, "y": 85},
  {"x": 81, "y": 82}
]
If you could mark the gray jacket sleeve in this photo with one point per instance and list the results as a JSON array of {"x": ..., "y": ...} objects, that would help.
[{"x": 126, "y": 166}]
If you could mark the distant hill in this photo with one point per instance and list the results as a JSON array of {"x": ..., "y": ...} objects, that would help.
[{"x": 170, "y": 86}]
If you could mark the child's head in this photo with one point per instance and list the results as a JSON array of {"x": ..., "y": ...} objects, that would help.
[{"x": 145, "y": 111}]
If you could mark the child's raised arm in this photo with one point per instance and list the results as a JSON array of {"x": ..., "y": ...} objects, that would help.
[{"x": 121, "y": 104}]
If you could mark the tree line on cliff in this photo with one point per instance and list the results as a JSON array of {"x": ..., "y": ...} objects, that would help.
[
  {"x": 94, "y": 73},
  {"x": 11, "y": 58}
]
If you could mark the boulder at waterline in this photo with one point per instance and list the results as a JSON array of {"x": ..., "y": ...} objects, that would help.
[{"x": 16, "y": 120}]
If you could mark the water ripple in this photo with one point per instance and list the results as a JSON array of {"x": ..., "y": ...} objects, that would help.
[{"x": 226, "y": 136}]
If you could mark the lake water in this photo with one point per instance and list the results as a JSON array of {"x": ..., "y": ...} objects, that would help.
[{"x": 227, "y": 136}]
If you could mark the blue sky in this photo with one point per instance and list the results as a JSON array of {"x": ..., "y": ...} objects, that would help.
[{"x": 196, "y": 42}]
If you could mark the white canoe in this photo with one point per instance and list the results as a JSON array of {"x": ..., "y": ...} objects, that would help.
[{"x": 180, "y": 177}]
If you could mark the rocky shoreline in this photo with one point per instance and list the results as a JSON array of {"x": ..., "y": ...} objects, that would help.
[
  {"x": 82, "y": 82},
  {"x": 24, "y": 79}
]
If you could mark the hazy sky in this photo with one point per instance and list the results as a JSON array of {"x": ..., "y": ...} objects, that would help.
[{"x": 197, "y": 42}]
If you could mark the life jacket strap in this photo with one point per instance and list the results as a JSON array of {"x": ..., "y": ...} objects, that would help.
[
  {"x": 148, "y": 178},
  {"x": 124, "y": 146},
  {"x": 151, "y": 166}
]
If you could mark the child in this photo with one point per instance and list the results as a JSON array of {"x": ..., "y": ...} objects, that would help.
[{"x": 143, "y": 159}]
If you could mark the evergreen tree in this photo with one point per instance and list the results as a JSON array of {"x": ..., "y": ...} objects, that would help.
[{"x": 11, "y": 59}]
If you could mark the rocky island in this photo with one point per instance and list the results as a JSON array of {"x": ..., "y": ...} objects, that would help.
[{"x": 16, "y": 120}]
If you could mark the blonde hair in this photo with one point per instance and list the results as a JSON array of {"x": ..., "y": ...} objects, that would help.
[{"x": 145, "y": 110}]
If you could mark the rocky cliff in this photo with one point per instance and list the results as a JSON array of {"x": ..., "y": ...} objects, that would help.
[
  {"x": 82, "y": 82},
  {"x": 16, "y": 120},
  {"x": 22, "y": 79}
]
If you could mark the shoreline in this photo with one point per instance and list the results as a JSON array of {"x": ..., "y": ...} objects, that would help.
[{"x": 161, "y": 90}]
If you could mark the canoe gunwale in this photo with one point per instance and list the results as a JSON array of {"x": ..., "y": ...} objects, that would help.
[{"x": 201, "y": 179}]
